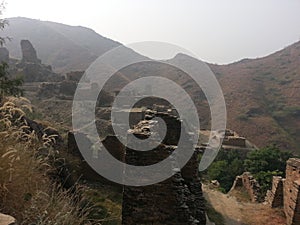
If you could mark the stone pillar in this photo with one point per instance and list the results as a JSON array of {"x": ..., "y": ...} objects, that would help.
[{"x": 28, "y": 52}]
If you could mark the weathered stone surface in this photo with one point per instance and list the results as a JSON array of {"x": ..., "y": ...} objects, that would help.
[
  {"x": 4, "y": 55},
  {"x": 175, "y": 201},
  {"x": 292, "y": 192},
  {"x": 286, "y": 192},
  {"x": 274, "y": 197},
  {"x": 28, "y": 52},
  {"x": 247, "y": 181},
  {"x": 7, "y": 220}
]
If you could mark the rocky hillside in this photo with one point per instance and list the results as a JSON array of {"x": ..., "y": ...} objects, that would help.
[
  {"x": 63, "y": 47},
  {"x": 262, "y": 95}
]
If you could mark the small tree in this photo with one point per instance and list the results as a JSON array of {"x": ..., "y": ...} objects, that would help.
[
  {"x": 266, "y": 163},
  {"x": 8, "y": 86}
]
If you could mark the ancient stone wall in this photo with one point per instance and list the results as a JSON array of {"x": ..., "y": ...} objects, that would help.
[
  {"x": 274, "y": 197},
  {"x": 175, "y": 201},
  {"x": 292, "y": 192},
  {"x": 247, "y": 181}
]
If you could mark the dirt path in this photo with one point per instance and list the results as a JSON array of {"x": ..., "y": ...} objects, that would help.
[{"x": 242, "y": 213}]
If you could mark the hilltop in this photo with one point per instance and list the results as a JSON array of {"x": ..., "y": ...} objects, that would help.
[{"x": 262, "y": 95}]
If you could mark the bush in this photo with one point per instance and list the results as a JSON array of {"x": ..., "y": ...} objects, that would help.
[{"x": 9, "y": 86}]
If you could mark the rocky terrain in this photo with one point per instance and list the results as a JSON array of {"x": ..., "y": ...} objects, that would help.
[{"x": 261, "y": 94}]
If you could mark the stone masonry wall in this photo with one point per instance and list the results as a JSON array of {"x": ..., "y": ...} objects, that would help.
[
  {"x": 175, "y": 201},
  {"x": 247, "y": 181},
  {"x": 274, "y": 197},
  {"x": 292, "y": 192}
]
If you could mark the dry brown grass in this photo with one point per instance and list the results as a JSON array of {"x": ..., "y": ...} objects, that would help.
[{"x": 26, "y": 191}]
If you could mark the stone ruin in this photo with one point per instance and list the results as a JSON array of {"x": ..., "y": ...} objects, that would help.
[
  {"x": 286, "y": 192},
  {"x": 233, "y": 139},
  {"x": 249, "y": 183},
  {"x": 29, "y": 53},
  {"x": 30, "y": 67},
  {"x": 177, "y": 200}
]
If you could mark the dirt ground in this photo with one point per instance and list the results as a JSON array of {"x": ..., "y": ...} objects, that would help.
[{"x": 242, "y": 213}]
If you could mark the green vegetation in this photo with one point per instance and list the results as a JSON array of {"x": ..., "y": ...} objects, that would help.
[
  {"x": 9, "y": 86},
  {"x": 263, "y": 164},
  {"x": 225, "y": 168},
  {"x": 266, "y": 163}
]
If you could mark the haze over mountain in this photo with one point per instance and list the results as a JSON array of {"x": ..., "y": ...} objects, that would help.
[
  {"x": 262, "y": 95},
  {"x": 64, "y": 47}
]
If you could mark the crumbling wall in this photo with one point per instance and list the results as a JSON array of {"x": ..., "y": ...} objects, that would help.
[
  {"x": 235, "y": 141},
  {"x": 175, "y": 201},
  {"x": 247, "y": 181},
  {"x": 292, "y": 192},
  {"x": 274, "y": 197}
]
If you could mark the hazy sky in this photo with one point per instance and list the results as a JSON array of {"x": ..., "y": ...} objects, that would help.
[{"x": 217, "y": 31}]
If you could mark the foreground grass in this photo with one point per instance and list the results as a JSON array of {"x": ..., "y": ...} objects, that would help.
[{"x": 26, "y": 191}]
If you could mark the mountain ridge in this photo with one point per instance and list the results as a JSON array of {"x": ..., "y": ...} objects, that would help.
[{"x": 262, "y": 95}]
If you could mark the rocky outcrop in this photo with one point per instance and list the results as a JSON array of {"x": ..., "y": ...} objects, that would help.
[
  {"x": 7, "y": 220},
  {"x": 30, "y": 68},
  {"x": 4, "y": 55},
  {"x": 29, "y": 53},
  {"x": 41, "y": 130}
]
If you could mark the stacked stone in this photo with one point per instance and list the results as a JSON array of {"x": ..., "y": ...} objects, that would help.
[
  {"x": 175, "y": 201},
  {"x": 292, "y": 192},
  {"x": 251, "y": 185},
  {"x": 274, "y": 197}
]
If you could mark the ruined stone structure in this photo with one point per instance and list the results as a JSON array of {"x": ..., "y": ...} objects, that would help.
[
  {"x": 30, "y": 68},
  {"x": 274, "y": 197},
  {"x": 4, "y": 55},
  {"x": 247, "y": 181},
  {"x": 286, "y": 192},
  {"x": 28, "y": 52},
  {"x": 175, "y": 201},
  {"x": 233, "y": 139},
  {"x": 292, "y": 192}
]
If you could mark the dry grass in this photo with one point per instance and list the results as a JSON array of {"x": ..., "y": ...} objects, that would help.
[{"x": 26, "y": 192}]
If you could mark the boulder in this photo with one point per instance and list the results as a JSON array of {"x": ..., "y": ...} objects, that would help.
[{"x": 7, "y": 220}]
